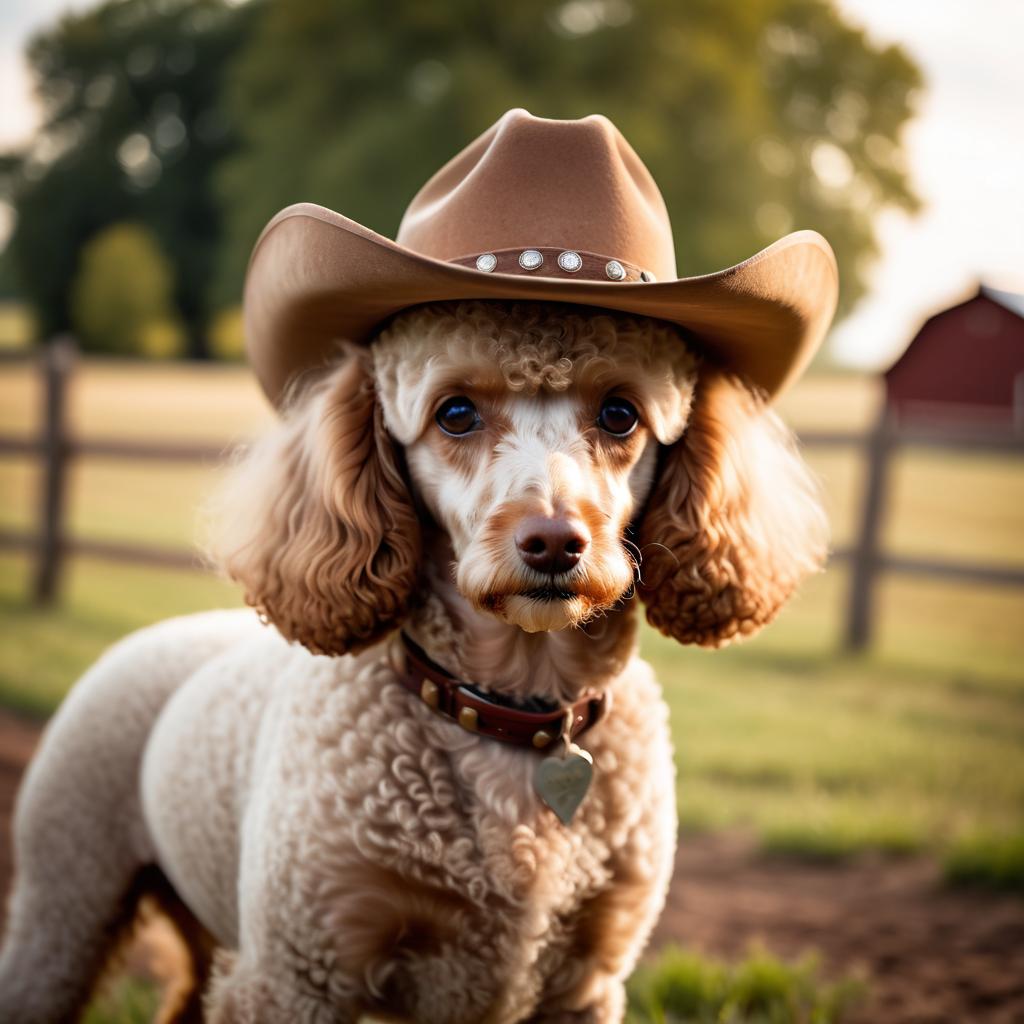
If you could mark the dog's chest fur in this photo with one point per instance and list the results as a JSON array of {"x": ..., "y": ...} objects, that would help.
[{"x": 424, "y": 876}]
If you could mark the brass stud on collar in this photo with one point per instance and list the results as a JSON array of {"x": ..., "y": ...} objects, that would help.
[
  {"x": 430, "y": 694},
  {"x": 468, "y": 719},
  {"x": 541, "y": 739}
]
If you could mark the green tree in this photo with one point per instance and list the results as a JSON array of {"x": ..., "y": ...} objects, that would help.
[
  {"x": 133, "y": 127},
  {"x": 754, "y": 117},
  {"x": 121, "y": 298}
]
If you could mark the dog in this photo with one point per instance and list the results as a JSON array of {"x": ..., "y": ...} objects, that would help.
[{"x": 504, "y": 483}]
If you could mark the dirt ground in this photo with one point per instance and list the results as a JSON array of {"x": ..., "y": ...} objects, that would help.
[{"x": 930, "y": 955}]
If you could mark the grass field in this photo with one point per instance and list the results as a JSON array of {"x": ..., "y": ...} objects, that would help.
[
  {"x": 918, "y": 745},
  {"x": 682, "y": 987}
]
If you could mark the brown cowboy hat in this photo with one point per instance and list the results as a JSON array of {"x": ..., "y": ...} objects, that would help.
[{"x": 559, "y": 211}]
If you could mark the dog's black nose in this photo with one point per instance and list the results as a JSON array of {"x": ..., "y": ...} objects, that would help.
[{"x": 551, "y": 545}]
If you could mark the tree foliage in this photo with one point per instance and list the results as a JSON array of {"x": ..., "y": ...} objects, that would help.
[
  {"x": 121, "y": 298},
  {"x": 133, "y": 127},
  {"x": 202, "y": 118},
  {"x": 754, "y": 118}
]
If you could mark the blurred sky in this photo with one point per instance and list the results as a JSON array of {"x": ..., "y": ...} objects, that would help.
[{"x": 965, "y": 149}]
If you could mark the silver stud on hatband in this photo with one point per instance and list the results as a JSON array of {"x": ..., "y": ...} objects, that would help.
[
  {"x": 647, "y": 277},
  {"x": 530, "y": 259},
  {"x": 570, "y": 261},
  {"x": 615, "y": 270},
  {"x": 487, "y": 262}
]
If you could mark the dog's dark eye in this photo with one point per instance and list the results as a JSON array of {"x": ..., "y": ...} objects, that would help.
[
  {"x": 457, "y": 416},
  {"x": 617, "y": 416}
]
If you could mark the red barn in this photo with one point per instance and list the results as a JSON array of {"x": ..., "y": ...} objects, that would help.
[{"x": 966, "y": 365}]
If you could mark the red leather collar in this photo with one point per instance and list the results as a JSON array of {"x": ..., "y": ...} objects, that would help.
[{"x": 475, "y": 712}]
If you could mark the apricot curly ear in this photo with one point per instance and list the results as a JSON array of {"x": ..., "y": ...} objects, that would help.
[
  {"x": 734, "y": 521},
  {"x": 317, "y": 523}
]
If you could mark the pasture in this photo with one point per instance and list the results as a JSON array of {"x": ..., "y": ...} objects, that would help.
[{"x": 918, "y": 745}]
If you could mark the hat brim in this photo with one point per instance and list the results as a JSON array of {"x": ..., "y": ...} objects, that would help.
[{"x": 316, "y": 277}]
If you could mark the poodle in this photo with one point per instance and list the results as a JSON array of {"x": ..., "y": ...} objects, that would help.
[{"x": 490, "y": 489}]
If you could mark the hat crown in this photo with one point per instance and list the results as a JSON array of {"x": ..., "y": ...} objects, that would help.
[{"x": 530, "y": 182}]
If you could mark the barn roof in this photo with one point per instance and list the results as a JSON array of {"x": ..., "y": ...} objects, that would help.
[
  {"x": 1008, "y": 300},
  {"x": 966, "y": 362}
]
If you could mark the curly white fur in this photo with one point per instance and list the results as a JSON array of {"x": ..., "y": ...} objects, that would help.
[{"x": 349, "y": 851}]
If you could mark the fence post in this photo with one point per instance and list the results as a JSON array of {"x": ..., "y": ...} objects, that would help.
[
  {"x": 866, "y": 551},
  {"x": 58, "y": 361}
]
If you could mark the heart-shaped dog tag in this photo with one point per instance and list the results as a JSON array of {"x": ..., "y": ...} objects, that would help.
[{"x": 562, "y": 782}]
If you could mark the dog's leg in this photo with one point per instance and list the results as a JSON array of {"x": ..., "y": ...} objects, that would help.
[
  {"x": 240, "y": 996},
  {"x": 182, "y": 1003},
  {"x": 608, "y": 933},
  {"x": 75, "y": 891},
  {"x": 56, "y": 951},
  {"x": 243, "y": 993},
  {"x": 183, "y": 1000},
  {"x": 80, "y": 841}
]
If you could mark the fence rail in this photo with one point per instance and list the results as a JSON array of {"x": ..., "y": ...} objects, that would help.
[
  {"x": 169, "y": 451},
  {"x": 55, "y": 447},
  {"x": 111, "y": 551}
]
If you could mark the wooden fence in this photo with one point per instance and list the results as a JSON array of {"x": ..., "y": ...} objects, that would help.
[{"x": 55, "y": 447}]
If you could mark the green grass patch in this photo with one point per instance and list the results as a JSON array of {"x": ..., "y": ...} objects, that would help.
[
  {"x": 987, "y": 861},
  {"x": 126, "y": 1000},
  {"x": 823, "y": 756},
  {"x": 683, "y": 988},
  {"x": 44, "y": 650},
  {"x": 840, "y": 839}
]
